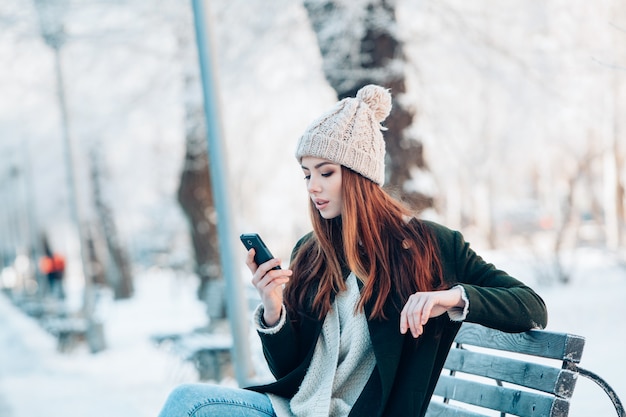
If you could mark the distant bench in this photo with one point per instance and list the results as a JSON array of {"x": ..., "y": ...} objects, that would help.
[
  {"x": 209, "y": 353},
  {"x": 71, "y": 331},
  {"x": 480, "y": 373}
]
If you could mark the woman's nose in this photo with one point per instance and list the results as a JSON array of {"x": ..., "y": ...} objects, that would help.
[{"x": 313, "y": 185}]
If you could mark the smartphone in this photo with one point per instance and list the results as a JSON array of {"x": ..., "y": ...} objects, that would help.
[{"x": 261, "y": 253}]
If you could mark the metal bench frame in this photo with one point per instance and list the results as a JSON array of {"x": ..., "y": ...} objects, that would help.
[{"x": 520, "y": 384}]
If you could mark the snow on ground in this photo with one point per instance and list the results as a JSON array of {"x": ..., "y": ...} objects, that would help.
[
  {"x": 130, "y": 378},
  {"x": 133, "y": 376}
]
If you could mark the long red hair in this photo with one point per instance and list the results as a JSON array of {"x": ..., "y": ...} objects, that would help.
[{"x": 372, "y": 238}]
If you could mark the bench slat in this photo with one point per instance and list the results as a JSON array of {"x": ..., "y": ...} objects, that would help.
[
  {"x": 439, "y": 409},
  {"x": 552, "y": 345},
  {"x": 544, "y": 378},
  {"x": 507, "y": 400}
]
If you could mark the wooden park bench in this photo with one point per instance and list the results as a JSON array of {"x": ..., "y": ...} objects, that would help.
[
  {"x": 530, "y": 374},
  {"x": 210, "y": 354},
  {"x": 69, "y": 331},
  {"x": 72, "y": 330}
]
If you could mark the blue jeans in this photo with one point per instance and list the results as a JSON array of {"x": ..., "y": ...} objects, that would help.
[{"x": 204, "y": 400}]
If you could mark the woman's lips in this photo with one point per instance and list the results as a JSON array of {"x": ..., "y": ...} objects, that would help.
[{"x": 321, "y": 204}]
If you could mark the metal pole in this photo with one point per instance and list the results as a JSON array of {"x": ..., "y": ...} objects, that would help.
[
  {"x": 219, "y": 177},
  {"x": 53, "y": 34},
  {"x": 95, "y": 333}
]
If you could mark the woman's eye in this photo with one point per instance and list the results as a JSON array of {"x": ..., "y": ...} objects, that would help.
[
  {"x": 327, "y": 174},
  {"x": 307, "y": 177}
]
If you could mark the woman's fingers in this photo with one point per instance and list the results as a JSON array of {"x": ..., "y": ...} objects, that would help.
[
  {"x": 409, "y": 316},
  {"x": 416, "y": 313},
  {"x": 259, "y": 271},
  {"x": 273, "y": 279},
  {"x": 265, "y": 271},
  {"x": 250, "y": 261},
  {"x": 265, "y": 266},
  {"x": 269, "y": 284},
  {"x": 415, "y": 318}
]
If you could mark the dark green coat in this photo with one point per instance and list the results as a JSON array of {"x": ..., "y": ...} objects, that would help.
[{"x": 407, "y": 369}]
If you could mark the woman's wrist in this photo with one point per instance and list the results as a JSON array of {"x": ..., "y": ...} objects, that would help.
[
  {"x": 460, "y": 293},
  {"x": 260, "y": 324},
  {"x": 461, "y": 309},
  {"x": 270, "y": 319}
]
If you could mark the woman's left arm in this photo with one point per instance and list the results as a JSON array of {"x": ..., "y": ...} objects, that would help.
[
  {"x": 480, "y": 293},
  {"x": 495, "y": 298}
]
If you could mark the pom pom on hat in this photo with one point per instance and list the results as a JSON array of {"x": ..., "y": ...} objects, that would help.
[
  {"x": 350, "y": 133},
  {"x": 378, "y": 99}
]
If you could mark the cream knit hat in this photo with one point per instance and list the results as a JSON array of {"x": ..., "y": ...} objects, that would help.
[{"x": 350, "y": 133}]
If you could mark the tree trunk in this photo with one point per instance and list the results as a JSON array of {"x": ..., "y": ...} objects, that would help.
[
  {"x": 117, "y": 271},
  {"x": 361, "y": 48},
  {"x": 196, "y": 199}
]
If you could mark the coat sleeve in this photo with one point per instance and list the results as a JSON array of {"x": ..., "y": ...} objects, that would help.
[
  {"x": 282, "y": 345},
  {"x": 496, "y": 299},
  {"x": 280, "y": 349}
]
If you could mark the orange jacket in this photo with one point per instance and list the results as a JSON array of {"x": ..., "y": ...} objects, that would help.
[{"x": 48, "y": 264}]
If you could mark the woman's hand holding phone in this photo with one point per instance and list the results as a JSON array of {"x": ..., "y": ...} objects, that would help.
[{"x": 269, "y": 281}]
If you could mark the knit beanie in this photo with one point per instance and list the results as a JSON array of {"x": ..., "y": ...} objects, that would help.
[{"x": 350, "y": 133}]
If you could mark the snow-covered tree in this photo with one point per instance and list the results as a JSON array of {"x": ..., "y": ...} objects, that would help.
[{"x": 361, "y": 44}]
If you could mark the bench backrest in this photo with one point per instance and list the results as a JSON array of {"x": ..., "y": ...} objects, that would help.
[{"x": 538, "y": 380}]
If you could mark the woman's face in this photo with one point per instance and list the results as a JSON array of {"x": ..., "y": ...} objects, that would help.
[{"x": 323, "y": 181}]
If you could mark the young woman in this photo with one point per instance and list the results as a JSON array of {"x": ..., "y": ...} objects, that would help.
[{"x": 362, "y": 321}]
